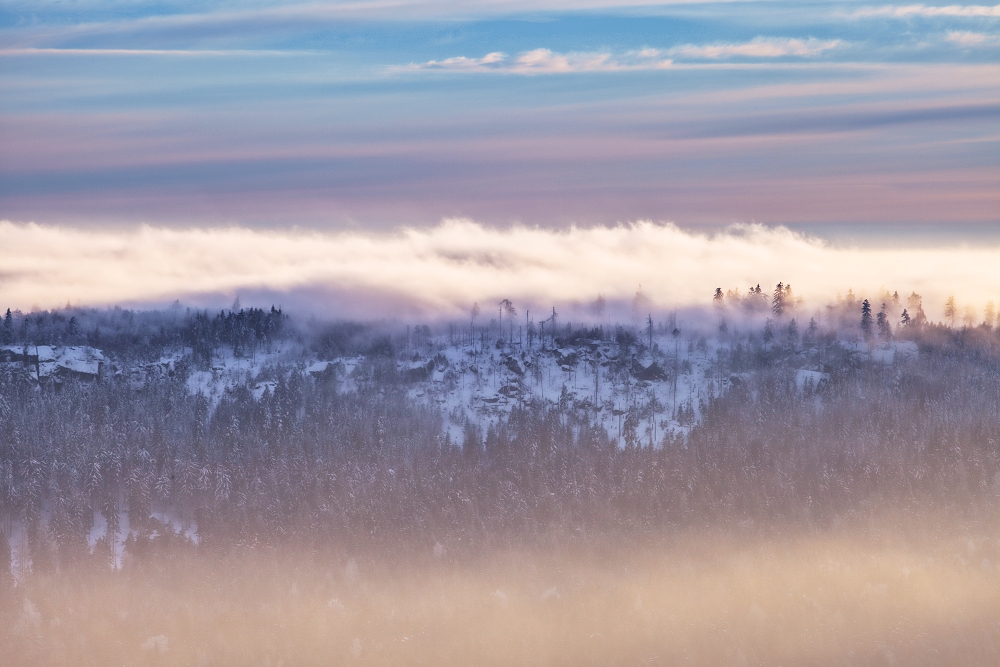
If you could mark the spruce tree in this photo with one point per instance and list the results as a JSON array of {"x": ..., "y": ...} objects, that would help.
[
  {"x": 793, "y": 331},
  {"x": 8, "y": 328},
  {"x": 914, "y": 304},
  {"x": 778, "y": 300},
  {"x": 884, "y": 328},
  {"x": 950, "y": 310},
  {"x": 809, "y": 339},
  {"x": 866, "y": 319}
]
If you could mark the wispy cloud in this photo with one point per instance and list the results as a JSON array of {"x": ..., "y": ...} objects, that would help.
[
  {"x": 972, "y": 39},
  {"x": 759, "y": 47},
  {"x": 904, "y": 11},
  {"x": 493, "y": 60},
  {"x": 545, "y": 61},
  {"x": 33, "y": 51},
  {"x": 278, "y": 16},
  {"x": 444, "y": 269}
]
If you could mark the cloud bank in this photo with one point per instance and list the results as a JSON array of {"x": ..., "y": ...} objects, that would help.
[{"x": 441, "y": 271}]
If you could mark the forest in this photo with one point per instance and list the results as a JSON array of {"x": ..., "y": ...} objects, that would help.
[{"x": 350, "y": 448}]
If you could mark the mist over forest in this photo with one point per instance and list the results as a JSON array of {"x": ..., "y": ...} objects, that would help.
[
  {"x": 401, "y": 333},
  {"x": 139, "y": 450}
]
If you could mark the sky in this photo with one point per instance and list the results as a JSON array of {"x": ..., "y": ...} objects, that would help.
[{"x": 846, "y": 125}]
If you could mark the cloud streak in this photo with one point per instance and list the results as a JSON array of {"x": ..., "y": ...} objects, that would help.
[
  {"x": 760, "y": 47},
  {"x": 33, "y": 51},
  {"x": 545, "y": 61},
  {"x": 968, "y": 40},
  {"x": 906, "y": 11},
  {"x": 441, "y": 271}
]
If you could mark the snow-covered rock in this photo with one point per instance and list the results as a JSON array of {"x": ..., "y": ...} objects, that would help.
[
  {"x": 57, "y": 362},
  {"x": 805, "y": 377}
]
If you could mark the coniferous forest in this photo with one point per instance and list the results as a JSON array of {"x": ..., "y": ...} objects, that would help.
[{"x": 245, "y": 487}]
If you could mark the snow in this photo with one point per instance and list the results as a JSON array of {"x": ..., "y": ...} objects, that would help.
[
  {"x": 53, "y": 361},
  {"x": 485, "y": 385},
  {"x": 594, "y": 378},
  {"x": 171, "y": 519},
  {"x": 318, "y": 367},
  {"x": 659, "y": 389},
  {"x": 20, "y": 558},
  {"x": 97, "y": 531},
  {"x": 810, "y": 378},
  {"x": 885, "y": 352},
  {"x": 227, "y": 371}
]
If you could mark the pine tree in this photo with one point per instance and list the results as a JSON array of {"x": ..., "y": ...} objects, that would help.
[
  {"x": 809, "y": 339},
  {"x": 950, "y": 311},
  {"x": 72, "y": 329},
  {"x": 915, "y": 303},
  {"x": 866, "y": 319},
  {"x": 904, "y": 319},
  {"x": 8, "y": 328},
  {"x": 474, "y": 312},
  {"x": 884, "y": 328},
  {"x": 719, "y": 301},
  {"x": 508, "y": 307},
  {"x": 778, "y": 300},
  {"x": 989, "y": 314},
  {"x": 5, "y": 561},
  {"x": 756, "y": 299}
]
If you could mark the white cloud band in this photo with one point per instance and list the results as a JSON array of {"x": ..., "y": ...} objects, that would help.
[
  {"x": 444, "y": 269},
  {"x": 905, "y": 11},
  {"x": 546, "y": 61},
  {"x": 760, "y": 47}
]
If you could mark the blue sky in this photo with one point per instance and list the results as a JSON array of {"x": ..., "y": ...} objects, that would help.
[{"x": 376, "y": 115}]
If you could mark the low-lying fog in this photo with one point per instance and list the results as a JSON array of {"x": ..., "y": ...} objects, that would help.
[{"x": 762, "y": 484}]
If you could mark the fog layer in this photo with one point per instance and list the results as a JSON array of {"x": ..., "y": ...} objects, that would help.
[{"x": 441, "y": 271}]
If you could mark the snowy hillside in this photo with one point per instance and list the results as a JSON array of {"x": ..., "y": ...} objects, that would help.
[{"x": 637, "y": 392}]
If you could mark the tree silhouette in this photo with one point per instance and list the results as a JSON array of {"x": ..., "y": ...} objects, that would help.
[
  {"x": 950, "y": 311},
  {"x": 756, "y": 299},
  {"x": 809, "y": 339},
  {"x": 884, "y": 327},
  {"x": 914, "y": 304},
  {"x": 507, "y": 307},
  {"x": 866, "y": 319},
  {"x": 719, "y": 301},
  {"x": 7, "y": 336},
  {"x": 781, "y": 299},
  {"x": 472, "y": 334}
]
